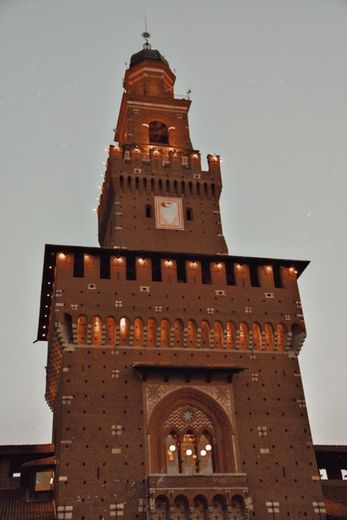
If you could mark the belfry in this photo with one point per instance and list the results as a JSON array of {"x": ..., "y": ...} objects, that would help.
[{"x": 172, "y": 369}]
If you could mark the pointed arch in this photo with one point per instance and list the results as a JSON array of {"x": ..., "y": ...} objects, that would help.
[
  {"x": 230, "y": 334},
  {"x": 179, "y": 333},
  {"x": 205, "y": 334},
  {"x": 281, "y": 330},
  {"x": 82, "y": 325},
  {"x": 191, "y": 333},
  {"x": 124, "y": 327},
  {"x": 243, "y": 329},
  {"x": 257, "y": 341},
  {"x": 218, "y": 334},
  {"x": 138, "y": 332},
  {"x": 96, "y": 330},
  {"x": 151, "y": 332},
  {"x": 110, "y": 330},
  {"x": 269, "y": 336},
  {"x": 164, "y": 333}
]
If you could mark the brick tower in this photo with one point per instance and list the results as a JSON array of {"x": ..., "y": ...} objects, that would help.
[{"x": 172, "y": 367}]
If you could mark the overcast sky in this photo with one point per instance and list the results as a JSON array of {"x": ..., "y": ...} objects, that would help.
[{"x": 269, "y": 92}]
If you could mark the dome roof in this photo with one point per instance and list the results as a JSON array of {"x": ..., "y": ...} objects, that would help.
[{"x": 148, "y": 55}]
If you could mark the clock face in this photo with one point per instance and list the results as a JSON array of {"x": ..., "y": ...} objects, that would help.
[{"x": 168, "y": 213}]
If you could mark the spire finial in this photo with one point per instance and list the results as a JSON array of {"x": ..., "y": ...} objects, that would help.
[{"x": 146, "y": 35}]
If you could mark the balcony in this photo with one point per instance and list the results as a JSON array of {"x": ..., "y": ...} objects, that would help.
[{"x": 216, "y": 483}]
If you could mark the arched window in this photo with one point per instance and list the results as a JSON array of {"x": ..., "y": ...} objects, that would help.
[
  {"x": 191, "y": 333},
  {"x": 151, "y": 332},
  {"x": 158, "y": 132},
  {"x": 179, "y": 331},
  {"x": 219, "y": 508},
  {"x": 183, "y": 187},
  {"x": 180, "y": 508},
  {"x": 205, "y": 189},
  {"x": 138, "y": 332},
  {"x": 189, "y": 214},
  {"x": 145, "y": 184},
  {"x": 189, "y": 454},
  {"x": 218, "y": 334},
  {"x": 269, "y": 336},
  {"x": 230, "y": 334},
  {"x": 129, "y": 183},
  {"x": 238, "y": 508},
  {"x": 110, "y": 331},
  {"x": 281, "y": 337},
  {"x": 149, "y": 211},
  {"x": 161, "y": 508},
  {"x": 167, "y": 186},
  {"x": 213, "y": 189},
  {"x": 152, "y": 184},
  {"x": 173, "y": 454},
  {"x": 82, "y": 324},
  {"x": 205, "y": 334},
  {"x": 200, "y": 511},
  {"x": 137, "y": 183},
  {"x": 256, "y": 336},
  {"x": 165, "y": 333},
  {"x": 205, "y": 455},
  {"x": 198, "y": 189},
  {"x": 124, "y": 326},
  {"x": 175, "y": 187},
  {"x": 96, "y": 330},
  {"x": 121, "y": 182},
  {"x": 190, "y": 186},
  {"x": 243, "y": 335},
  {"x": 160, "y": 186}
]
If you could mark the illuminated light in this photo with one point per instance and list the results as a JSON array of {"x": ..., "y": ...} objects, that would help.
[
  {"x": 203, "y": 453},
  {"x": 43, "y": 334},
  {"x": 141, "y": 261},
  {"x": 208, "y": 447},
  {"x": 61, "y": 256},
  {"x": 168, "y": 263},
  {"x": 48, "y": 294},
  {"x": 215, "y": 157},
  {"x": 51, "y": 481},
  {"x": 172, "y": 447},
  {"x": 239, "y": 266},
  {"x": 49, "y": 283},
  {"x": 44, "y": 327},
  {"x": 219, "y": 266},
  {"x": 50, "y": 267},
  {"x": 137, "y": 149},
  {"x": 189, "y": 452},
  {"x": 118, "y": 260},
  {"x": 293, "y": 270},
  {"x": 195, "y": 155},
  {"x": 156, "y": 152},
  {"x": 268, "y": 268},
  {"x": 193, "y": 265}
]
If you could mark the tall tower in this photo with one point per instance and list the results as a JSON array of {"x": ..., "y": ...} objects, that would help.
[{"x": 172, "y": 367}]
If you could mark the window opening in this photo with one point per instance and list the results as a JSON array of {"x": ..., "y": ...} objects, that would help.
[{"x": 158, "y": 132}]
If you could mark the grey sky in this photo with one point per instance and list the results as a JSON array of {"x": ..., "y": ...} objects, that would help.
[{"x": 269, "y": 91}]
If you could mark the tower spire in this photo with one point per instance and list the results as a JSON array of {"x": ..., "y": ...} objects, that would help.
[{"x": 146, "y": 35}]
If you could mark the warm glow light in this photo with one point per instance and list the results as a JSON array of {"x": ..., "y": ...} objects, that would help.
[
  {"x": 293, "y": 270},
  {"x": 189, "y": 452},
  {"x": 118, "y": 260},
  {"x": 208, "y": 447},
  {"x": 239, "y": 266},
  {"x": 61, "y": 256},
  {"x": 156, "y": 152},
  {"x": 123, "y": 324},
  {"x": 194, "y": 265},
  {"x": 219, "y": 266},
  {"x": 168, "y": 263},
  {"x": 172, "y": 447},
  {"x": 141, "y": 261},
  {"x": 268, "y": 268},
  {"x": 203, "y": 453},
  {"x": 195, "y": 155}
]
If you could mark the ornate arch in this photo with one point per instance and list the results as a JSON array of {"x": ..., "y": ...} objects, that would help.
[{"x": 164, "y": 412}]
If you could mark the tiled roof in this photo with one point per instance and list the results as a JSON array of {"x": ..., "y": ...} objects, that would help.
[
  {"x": 14, "y": 507},
  {"x": 19, "y": 449},
  {"x": 47, "y": 461}
]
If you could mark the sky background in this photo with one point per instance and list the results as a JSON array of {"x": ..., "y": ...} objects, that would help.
[{"x": 269, "y": 92}]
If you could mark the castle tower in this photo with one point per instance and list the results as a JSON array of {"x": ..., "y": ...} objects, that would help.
[{"x": 172, "y": 367}]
